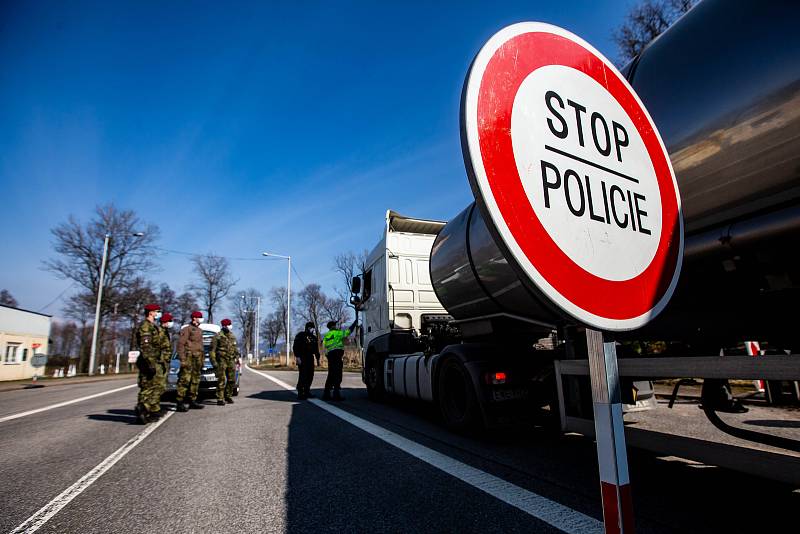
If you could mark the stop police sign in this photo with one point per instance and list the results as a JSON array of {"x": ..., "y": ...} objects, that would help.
[{"x": 571, "y": 173}]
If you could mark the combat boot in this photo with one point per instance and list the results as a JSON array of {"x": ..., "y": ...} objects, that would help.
[
  {"x": 229, "y": 401},
  {"x": 337, "y": 396},
  {"x": 326, "y": 395},
  {"x": 141, "y": 414},
  {"x": 194, "y": 405},
  {"x": 181, "y": 407},
  {"x": 220, "y": 402}
]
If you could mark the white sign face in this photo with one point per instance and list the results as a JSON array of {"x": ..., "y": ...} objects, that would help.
[
  {"x": 586, "y": 172},
  {"x": 573, "y": 176},
  {"x": 132, "y": 356}
]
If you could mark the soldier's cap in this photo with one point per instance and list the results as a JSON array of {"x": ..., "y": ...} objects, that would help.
[
  {"x": 166, "y": 317},
  {"x": 152, "y": 307},
  {"x": 226, "y": 322},
  {"x": 197, "y": 315}
]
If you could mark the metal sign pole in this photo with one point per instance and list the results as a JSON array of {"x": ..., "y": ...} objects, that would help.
[{"x": 610, "y": 434}]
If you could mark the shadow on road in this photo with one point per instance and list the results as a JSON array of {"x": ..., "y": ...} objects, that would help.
[
  {"x": 289, "y": 396},
  {"x": 116, "y": 416},
  {"x": 340, "y": 479},
  {"x": 773, "y": 423}
]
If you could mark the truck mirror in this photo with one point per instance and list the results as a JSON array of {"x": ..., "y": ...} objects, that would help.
[{"x": 355, "y": 285}]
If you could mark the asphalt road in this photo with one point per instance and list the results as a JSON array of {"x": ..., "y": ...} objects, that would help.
[{"x": 272, "y": 464}]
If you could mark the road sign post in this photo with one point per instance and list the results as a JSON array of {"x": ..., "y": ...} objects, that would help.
[
  {"x": 578, "y": 192},
  {"x": 612, "y": 457}
]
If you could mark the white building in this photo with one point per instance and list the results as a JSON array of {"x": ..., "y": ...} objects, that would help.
[{"x": 23, "y": 333}]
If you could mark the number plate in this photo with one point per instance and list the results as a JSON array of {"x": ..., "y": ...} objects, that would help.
[{"x": 500, "y": 395}]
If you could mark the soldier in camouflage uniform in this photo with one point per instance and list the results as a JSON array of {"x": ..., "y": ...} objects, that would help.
[
  {"x": 223, "y": 355},
  {"x": 147, "y": 341},
  {"x": 190, "y": 352},
  {"x": 165, "y": 344}
]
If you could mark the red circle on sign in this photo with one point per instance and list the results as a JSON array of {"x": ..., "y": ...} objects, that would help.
[{"x": 508, "y": 67}]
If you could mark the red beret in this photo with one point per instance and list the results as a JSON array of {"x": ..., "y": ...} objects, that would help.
[
  {"x": 226, "y": 322},
  {"x": 152, "y": 307},
  {"x": 197, "y": 314},
  {"x": 166, "y": 317}
]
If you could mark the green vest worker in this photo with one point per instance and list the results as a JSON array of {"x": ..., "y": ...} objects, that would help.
[{"x": 334, "y": 347}]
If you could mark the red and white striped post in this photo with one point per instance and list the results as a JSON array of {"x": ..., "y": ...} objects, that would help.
[
  {"x": 612, "y": 456},
  {"x": 753, "y": 348}
]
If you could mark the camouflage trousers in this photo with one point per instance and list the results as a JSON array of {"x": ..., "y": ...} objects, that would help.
[
  {"x": 226, "y": 379},
  {"x": 150, "y": 390},
  {"x": 189, "y": 378},
  {"x": 164, "y": 369}
]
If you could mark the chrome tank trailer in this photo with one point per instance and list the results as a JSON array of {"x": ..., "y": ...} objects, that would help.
[{"x": 723, "y": 87}]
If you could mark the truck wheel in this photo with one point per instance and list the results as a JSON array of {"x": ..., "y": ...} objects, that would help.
[
  {"x": 373, "y": 377},
  {"x": 457, "y": 401}
]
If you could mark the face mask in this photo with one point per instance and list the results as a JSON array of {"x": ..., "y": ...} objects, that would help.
[
  {"x": 158, "y": 316},
  {"x": 169, "y": 324}
]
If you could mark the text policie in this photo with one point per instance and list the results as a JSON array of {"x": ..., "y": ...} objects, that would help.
[{"x": 620, "y": 205}]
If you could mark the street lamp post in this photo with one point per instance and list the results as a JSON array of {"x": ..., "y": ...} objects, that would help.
[
  {"x": 288, "y": 301},
  {"x": 93, "y": 351},
  {"x": 258, "y": 328}
]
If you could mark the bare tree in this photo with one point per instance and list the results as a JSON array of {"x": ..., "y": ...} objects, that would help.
[
  {"x": 131, "y": 302},
  {"x": 80, "y": 252},
  {"x": 215, "y": 281},
  {"x": 335, "y": 309},
  {"x": 310, "y": 305},
  {"x": 185, "y": 304},
  {"x": 272, "y": 328},
  {"x": 277, "y": 297},
  {"x": 65, "y": 338},
  {"x": 6, "y": 299},
  {"x": 348, "y": 265},
  {"x": 243, "y": 307},
  {"x": 167, "y": 299},
  {"x": 645, "y": 22}
]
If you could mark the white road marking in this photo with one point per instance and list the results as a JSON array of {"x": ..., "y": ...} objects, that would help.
[
  {"x": 37, "y": 520},
  {"x": 65, "y": 403},
  {"x": 557, "y": 515}
]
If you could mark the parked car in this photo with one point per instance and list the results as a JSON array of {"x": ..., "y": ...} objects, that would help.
[{"x": 208, "y": 380}]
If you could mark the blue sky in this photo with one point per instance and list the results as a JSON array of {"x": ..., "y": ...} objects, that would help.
[{"x": 239, "y": 127}]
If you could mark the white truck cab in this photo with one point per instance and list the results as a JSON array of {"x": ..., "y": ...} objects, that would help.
[{"x": 397, "y": 289}]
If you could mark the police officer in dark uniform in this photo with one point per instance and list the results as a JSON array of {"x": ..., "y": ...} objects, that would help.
[{"x": 305, "y": 348}]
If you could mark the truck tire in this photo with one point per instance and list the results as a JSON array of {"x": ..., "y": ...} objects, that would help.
[
  {"x": 458, "y": 403},
  {"x": 373, "y": 377}
]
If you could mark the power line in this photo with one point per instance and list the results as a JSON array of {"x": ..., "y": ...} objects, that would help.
[
  {"x": 298, "y": 276},
  {"x": 57, "y": 298},
  {"x": 195, "y": 254}
]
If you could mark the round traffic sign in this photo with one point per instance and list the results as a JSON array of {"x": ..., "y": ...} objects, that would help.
[{"x": 569, "y": 169}]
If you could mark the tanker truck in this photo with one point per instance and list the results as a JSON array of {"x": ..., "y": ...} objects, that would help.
[{"x": 449, "y": 319}]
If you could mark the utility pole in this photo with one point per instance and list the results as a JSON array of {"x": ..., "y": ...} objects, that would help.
[
  {"x": 93, "y": 351},
  {"x": 96, "y": 328}
]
